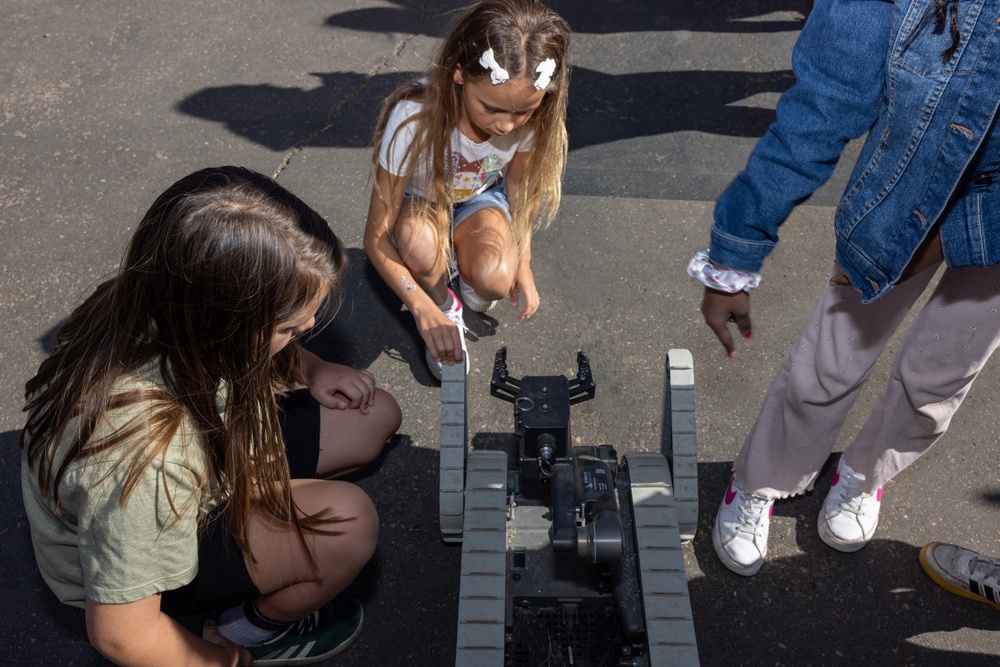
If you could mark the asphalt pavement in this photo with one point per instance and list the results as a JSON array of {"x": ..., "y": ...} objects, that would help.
[{"x": 104, "y": 104}]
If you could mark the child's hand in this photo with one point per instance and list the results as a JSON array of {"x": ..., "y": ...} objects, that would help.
[
  {"x": 341, "y": 387},
  {"x": 524, "y": 287},
  {"x": 441, "y": 335},
  {"x": 210, "y": 633},
  {"x": 841, "y": 280},
  {"x": 720, "y": 308}
]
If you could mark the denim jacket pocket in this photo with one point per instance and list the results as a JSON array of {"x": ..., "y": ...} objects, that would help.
[
  {"x": 986, "y": 213},
  {"x": 919, "y": 43},
  {"x": 970, "y": 227}
]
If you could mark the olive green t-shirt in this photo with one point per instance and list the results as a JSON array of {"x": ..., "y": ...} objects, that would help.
[{"x": 91, "y": 547}]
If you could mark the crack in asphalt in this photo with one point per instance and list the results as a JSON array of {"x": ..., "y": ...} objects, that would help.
[{"x": 334, "y": 113}]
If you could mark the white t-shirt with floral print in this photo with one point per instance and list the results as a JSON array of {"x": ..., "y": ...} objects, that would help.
[{"x": 472, "y": 168}]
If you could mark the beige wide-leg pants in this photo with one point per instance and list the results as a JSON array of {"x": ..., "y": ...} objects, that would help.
[{"x": 941, "y": 353}]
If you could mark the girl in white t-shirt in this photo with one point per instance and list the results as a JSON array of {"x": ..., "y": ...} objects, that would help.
[
  {"x": 468, "y": 160},
  {"x": 177, "y": 438}
]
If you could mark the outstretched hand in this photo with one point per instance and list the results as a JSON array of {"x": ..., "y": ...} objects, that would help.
[{"x": 719, "y": 309}]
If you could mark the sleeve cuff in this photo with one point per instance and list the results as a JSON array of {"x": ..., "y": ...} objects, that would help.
[{"x": 731, "y": 281}]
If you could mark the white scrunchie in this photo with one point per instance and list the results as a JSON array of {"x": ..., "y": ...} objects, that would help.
[
  {"x": 497, "y": 74},
  {"x": 545, "y": 71},
  {"x": 729, "y": 281}
]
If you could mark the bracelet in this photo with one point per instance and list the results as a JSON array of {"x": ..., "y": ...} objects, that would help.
[{"x": 729, "y": 281}]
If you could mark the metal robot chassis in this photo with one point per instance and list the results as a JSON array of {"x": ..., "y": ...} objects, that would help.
[{"x": 570, "y": 557}]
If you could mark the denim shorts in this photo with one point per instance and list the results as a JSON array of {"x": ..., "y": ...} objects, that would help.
[{"x": 494, "y": 196}]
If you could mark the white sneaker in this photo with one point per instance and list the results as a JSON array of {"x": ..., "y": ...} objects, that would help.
[
  {"x": 741, "y": 528},
  {"x": 474, "y": 302},
  {"x": 453, "y": 313},
  {"x": 849, "y": 516}
]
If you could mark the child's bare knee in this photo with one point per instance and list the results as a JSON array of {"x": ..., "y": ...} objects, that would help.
[
  {"x": 417, "y": 243},
  {"x": 387, "y": 411},
  {"x": 493, "y": 278},
  {"x": 359, "y": 525},
  {"x": 382, "y": 421}
]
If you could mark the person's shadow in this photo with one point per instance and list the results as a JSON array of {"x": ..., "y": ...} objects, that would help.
[
  {"x": 609, "y": 16},
  {"x": 823, "y": 607},
  {"x": 370, "y": 320},
  {"x": 603, "y": 108}
]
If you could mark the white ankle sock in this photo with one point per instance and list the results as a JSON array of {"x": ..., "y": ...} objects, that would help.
[{"x": 237, "y": 628}]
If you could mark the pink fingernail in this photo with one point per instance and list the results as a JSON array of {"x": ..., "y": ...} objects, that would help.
[{"x": 746, "y": 335}]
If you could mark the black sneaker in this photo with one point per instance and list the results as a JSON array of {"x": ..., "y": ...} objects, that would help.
[{"x": 323, "y": 633}]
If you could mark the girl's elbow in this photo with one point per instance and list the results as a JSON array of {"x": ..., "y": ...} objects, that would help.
[
  {"x": 121, "y": 643},
  {"x": 114, "y": 645},
  {"x": 370, "y": 244}
]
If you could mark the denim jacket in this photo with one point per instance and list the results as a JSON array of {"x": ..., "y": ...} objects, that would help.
[{"x": 875, "y": 66}]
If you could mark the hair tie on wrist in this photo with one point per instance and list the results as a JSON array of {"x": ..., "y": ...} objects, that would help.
[{"x": 729, "y": 281}]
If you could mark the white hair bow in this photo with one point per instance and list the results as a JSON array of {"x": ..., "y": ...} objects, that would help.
[
  {"x": 545, "y": 71},
  {"x": 497, "y": 74}
]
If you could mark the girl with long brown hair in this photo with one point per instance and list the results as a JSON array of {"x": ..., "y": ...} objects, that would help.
[{"x": 176, "y": 436}]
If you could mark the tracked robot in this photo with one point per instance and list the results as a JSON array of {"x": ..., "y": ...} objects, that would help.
[{"x": 570, "y": 555}]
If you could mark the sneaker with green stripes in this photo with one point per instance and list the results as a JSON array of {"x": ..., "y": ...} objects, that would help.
[{"x": 320, "y": 635}]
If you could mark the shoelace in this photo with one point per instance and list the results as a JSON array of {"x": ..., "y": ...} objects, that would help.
[
  {"x": 984, "y": 570},
  {"x": 852, "y": 499},
  {"x": 455, "y": 315},
  {"x": 752, "y": 513}
]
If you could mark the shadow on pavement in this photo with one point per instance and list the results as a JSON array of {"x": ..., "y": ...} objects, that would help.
[
  {"x": 371, "y": 321},
  {"x": 811, "y": 609},
  {"x": 821, "y": 607},
  {"x": 602, "y": 108},
  {"x": 599, "y": 18}
]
